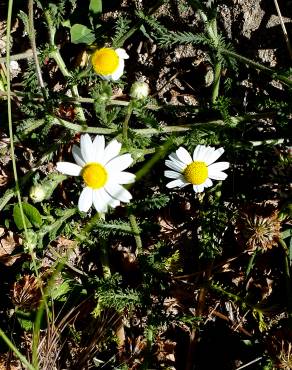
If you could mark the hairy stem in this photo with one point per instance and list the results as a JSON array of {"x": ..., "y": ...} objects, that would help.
[
  {"x": 126, "y": 121},
  {"x": 216, "y": 84},
  {"x": 55, "y": 54},
  {"x": 34, "y": 49},
  {"x": 136, "y": 232},
  {"x": 153, "y": 131}
]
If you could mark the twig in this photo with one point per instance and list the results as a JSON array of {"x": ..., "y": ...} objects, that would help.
[
  {"x": 28, "y": 54},
  {"x": 249, "y": 363},
  {"x": 283, "y": 28}
]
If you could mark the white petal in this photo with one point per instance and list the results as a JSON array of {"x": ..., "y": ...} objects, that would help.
[
  {"x": 173, "y": 156},
  {"x": 100, "y": 202},
  {"x": 184, "y": 155},
  {"x": 177, "y": 183},
  {"x": 98, "y": 146},
  {"x": 208, "y": 183},
  {"x": 175, "y": 165},
  {"x": 87, "y": 149},
  {"x": 85, "y": 199},
  {"x": 111, "y": 151},
  {"x": 219, "y": 166},
  {"x": 198, "y": 188},
  {"x": 122, "y": 177},
  {"x": 212, "y": 157},
  {"x": 200, "y": 152},
  {"x": 119, "y": 163},
  {"x": 77, "y": 155},
  {"x": 103, "y": 199},
  {"x": 172, "y": 174},
  {"x": 209, "y": 151},
  {"x": 110, "y": 200},
  {"x": 68, "y": 168},
  {"x": 119, "y": 71},
  {"x": 122, "y": 53},
  {"x": 118, "y": 192},
  {"x": 215, "y": 170},
  {"x": 218, "y": 175}
]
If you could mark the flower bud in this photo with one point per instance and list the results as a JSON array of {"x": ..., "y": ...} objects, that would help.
[
  {"x": 37, "y": 193},
  {"x": 139, "y": 90}
]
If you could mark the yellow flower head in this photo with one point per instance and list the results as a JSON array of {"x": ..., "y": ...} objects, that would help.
[{"x": 109, "y": 63}]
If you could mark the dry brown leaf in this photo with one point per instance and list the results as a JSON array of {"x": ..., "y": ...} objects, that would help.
[
  {"x": 4, "y": 178},
  {"x": 7, "y": 244},
  {"x": 64, "y": 242},
  {"x": 166, "y": 350},
  {"x": 10, "y": 260}
]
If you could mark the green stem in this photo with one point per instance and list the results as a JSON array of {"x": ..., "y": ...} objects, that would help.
[
  {"x": 251, "y": 263},
  {"x": 15, "y": 350},
  {"x": 124, "y": 228},
  {"x": 237, "y": 299},
  {"x": 120, "y": 42},
  {"x": 216, "y": 83},
  {"x": 40, "y": 312},
  {"x": 258, "y": 66},
  {"x": 211, "y": 29},
  {"x": 126, "y": 121},
  {"x": 160, "y": 153},
  {"x": 104, "y": 259},
  {"x": 34, "y": 49},
  {"x": 9, "y": 113},
  {"x": 10, "y": 125},
  {"x": 136, "y": 232},
  {"x": 153, "y": 131},
  {"x": 55, "y": 54},
  {"x": 103, "y": 252},
  {"x": 51, "y": 27}
]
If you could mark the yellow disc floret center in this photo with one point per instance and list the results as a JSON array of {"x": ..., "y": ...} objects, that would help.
[
  {"x": 94, "y": 175},
  {"x": 196, "y": 173},
  {"x": 105, "y": 61}
]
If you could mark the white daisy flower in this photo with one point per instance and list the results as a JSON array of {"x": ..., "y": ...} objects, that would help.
[
  {"x": 197, "y": 171},
  {"x": 102, "y": 170},
  {"x": 109, "y": 63}
]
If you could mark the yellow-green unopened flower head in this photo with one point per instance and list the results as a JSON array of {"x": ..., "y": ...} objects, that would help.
[
  {"x": 139, "y": 90},
  {"x": 102, "y": 170},
  {"x": 37, "y": 193},
  {"x": 109, "y": 63},
  {"x": 198, "y": 170}
]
